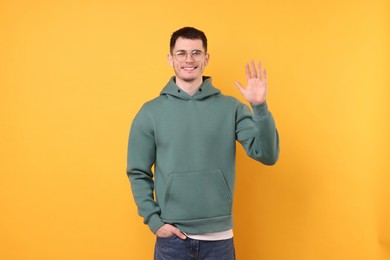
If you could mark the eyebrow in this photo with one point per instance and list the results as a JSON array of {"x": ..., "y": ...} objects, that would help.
[{"x": 185, "y": 50}]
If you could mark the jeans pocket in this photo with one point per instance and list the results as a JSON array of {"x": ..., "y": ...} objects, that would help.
[{"x": 168, "y": 237}]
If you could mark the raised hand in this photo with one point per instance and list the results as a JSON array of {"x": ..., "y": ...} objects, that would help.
[{"x": 256, "y": 89}]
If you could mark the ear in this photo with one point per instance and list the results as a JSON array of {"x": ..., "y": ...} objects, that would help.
[
  {"x": 170, "y": 60},
  {"x": 206, "y": 59}
]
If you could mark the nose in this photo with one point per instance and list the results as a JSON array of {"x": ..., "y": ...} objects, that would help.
[{"x": 189, "y": 56}]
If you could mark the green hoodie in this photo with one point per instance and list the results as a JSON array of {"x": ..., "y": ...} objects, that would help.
[{"x": 191, "y": 142}]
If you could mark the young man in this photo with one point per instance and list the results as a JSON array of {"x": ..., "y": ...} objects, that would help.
[{"x": 189, "y": 135}]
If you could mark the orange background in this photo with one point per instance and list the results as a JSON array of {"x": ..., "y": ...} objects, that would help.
[{"x": 74, "y": 73}]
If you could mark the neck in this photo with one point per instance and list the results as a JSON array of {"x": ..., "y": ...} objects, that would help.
[{"x": 190, "y": 87}]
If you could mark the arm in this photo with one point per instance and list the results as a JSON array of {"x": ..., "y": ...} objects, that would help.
[
  {"x": 140, "y": 159},
  {"x": 256, "y": 131}
]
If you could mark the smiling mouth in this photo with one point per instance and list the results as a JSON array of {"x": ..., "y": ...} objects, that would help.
[{"x": 189, "y": 68}]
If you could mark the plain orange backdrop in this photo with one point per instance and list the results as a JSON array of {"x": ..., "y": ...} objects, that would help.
[{"x": 74, "y": 73}]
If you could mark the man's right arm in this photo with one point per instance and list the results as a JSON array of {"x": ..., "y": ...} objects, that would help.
[{"x": 140, "y": 159}]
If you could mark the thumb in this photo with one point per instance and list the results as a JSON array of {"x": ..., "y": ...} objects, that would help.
[{"x": 239, "y": 86}]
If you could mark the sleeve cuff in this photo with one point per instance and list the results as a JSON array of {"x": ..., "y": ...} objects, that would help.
[
  {"x": 260, "y": 111},
  {"x": 155, "y": 223}
]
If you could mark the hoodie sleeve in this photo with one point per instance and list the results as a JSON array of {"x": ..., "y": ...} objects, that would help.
[
  {"x": 140, "y": 159},
  {"x": 257, "y": 133}
]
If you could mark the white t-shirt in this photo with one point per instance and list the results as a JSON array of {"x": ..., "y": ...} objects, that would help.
[{"x": 213, "y": 236}]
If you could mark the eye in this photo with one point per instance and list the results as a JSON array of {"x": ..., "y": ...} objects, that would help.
[
  {"x": 197, "y": 53},
  {"x": 180, "y": 54}
]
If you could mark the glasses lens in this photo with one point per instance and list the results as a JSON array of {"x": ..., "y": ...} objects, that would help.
[
  {"x": 181, "y": 56},
  {"x": 197, "y": 55}
]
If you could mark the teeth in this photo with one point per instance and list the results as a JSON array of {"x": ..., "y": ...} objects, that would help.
[{"x": 188, "y": 68}]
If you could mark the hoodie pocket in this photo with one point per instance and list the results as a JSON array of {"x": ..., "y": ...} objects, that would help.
[{"x": 196, "y": 195}]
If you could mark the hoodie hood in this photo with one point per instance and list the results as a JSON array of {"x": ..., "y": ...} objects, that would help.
[{"x": 206, "y": 90}]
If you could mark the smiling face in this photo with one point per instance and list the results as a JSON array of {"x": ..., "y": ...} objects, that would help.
[{"x": 189, "y": 70}]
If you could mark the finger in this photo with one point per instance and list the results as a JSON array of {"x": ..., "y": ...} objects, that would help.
[
  {"x": 179, "y": 234},
  {"x": 259, "y": 71},
  {"x": 239, "y": 86},
  {"x": 247, "y": 72},
  {"x": 253, "y": 69},
  {"x": 265, "y": 75}
]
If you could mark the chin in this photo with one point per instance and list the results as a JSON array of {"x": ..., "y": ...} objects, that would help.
[{"x": 189, "y": 79}]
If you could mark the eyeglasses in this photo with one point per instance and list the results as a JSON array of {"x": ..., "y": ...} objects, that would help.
[{"x": 196, "y": 55}]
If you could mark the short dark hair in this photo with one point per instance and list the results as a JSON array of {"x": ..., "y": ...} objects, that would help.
[{"x": 188, "y": 33}]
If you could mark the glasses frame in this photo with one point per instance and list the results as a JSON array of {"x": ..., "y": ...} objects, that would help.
[{"x": 193, "y": 54}]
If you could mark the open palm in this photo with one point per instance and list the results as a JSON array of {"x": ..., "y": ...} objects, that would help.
[{"x": 256, "y": 89}]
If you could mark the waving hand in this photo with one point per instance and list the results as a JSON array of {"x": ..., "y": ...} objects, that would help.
[{"x": 256, "y": 89}]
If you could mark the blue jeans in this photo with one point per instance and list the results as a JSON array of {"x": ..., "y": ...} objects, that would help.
[{"x": 174, "y": 248}]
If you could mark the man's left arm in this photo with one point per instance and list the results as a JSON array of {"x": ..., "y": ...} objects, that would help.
[{"x": 257, "y": 131}]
